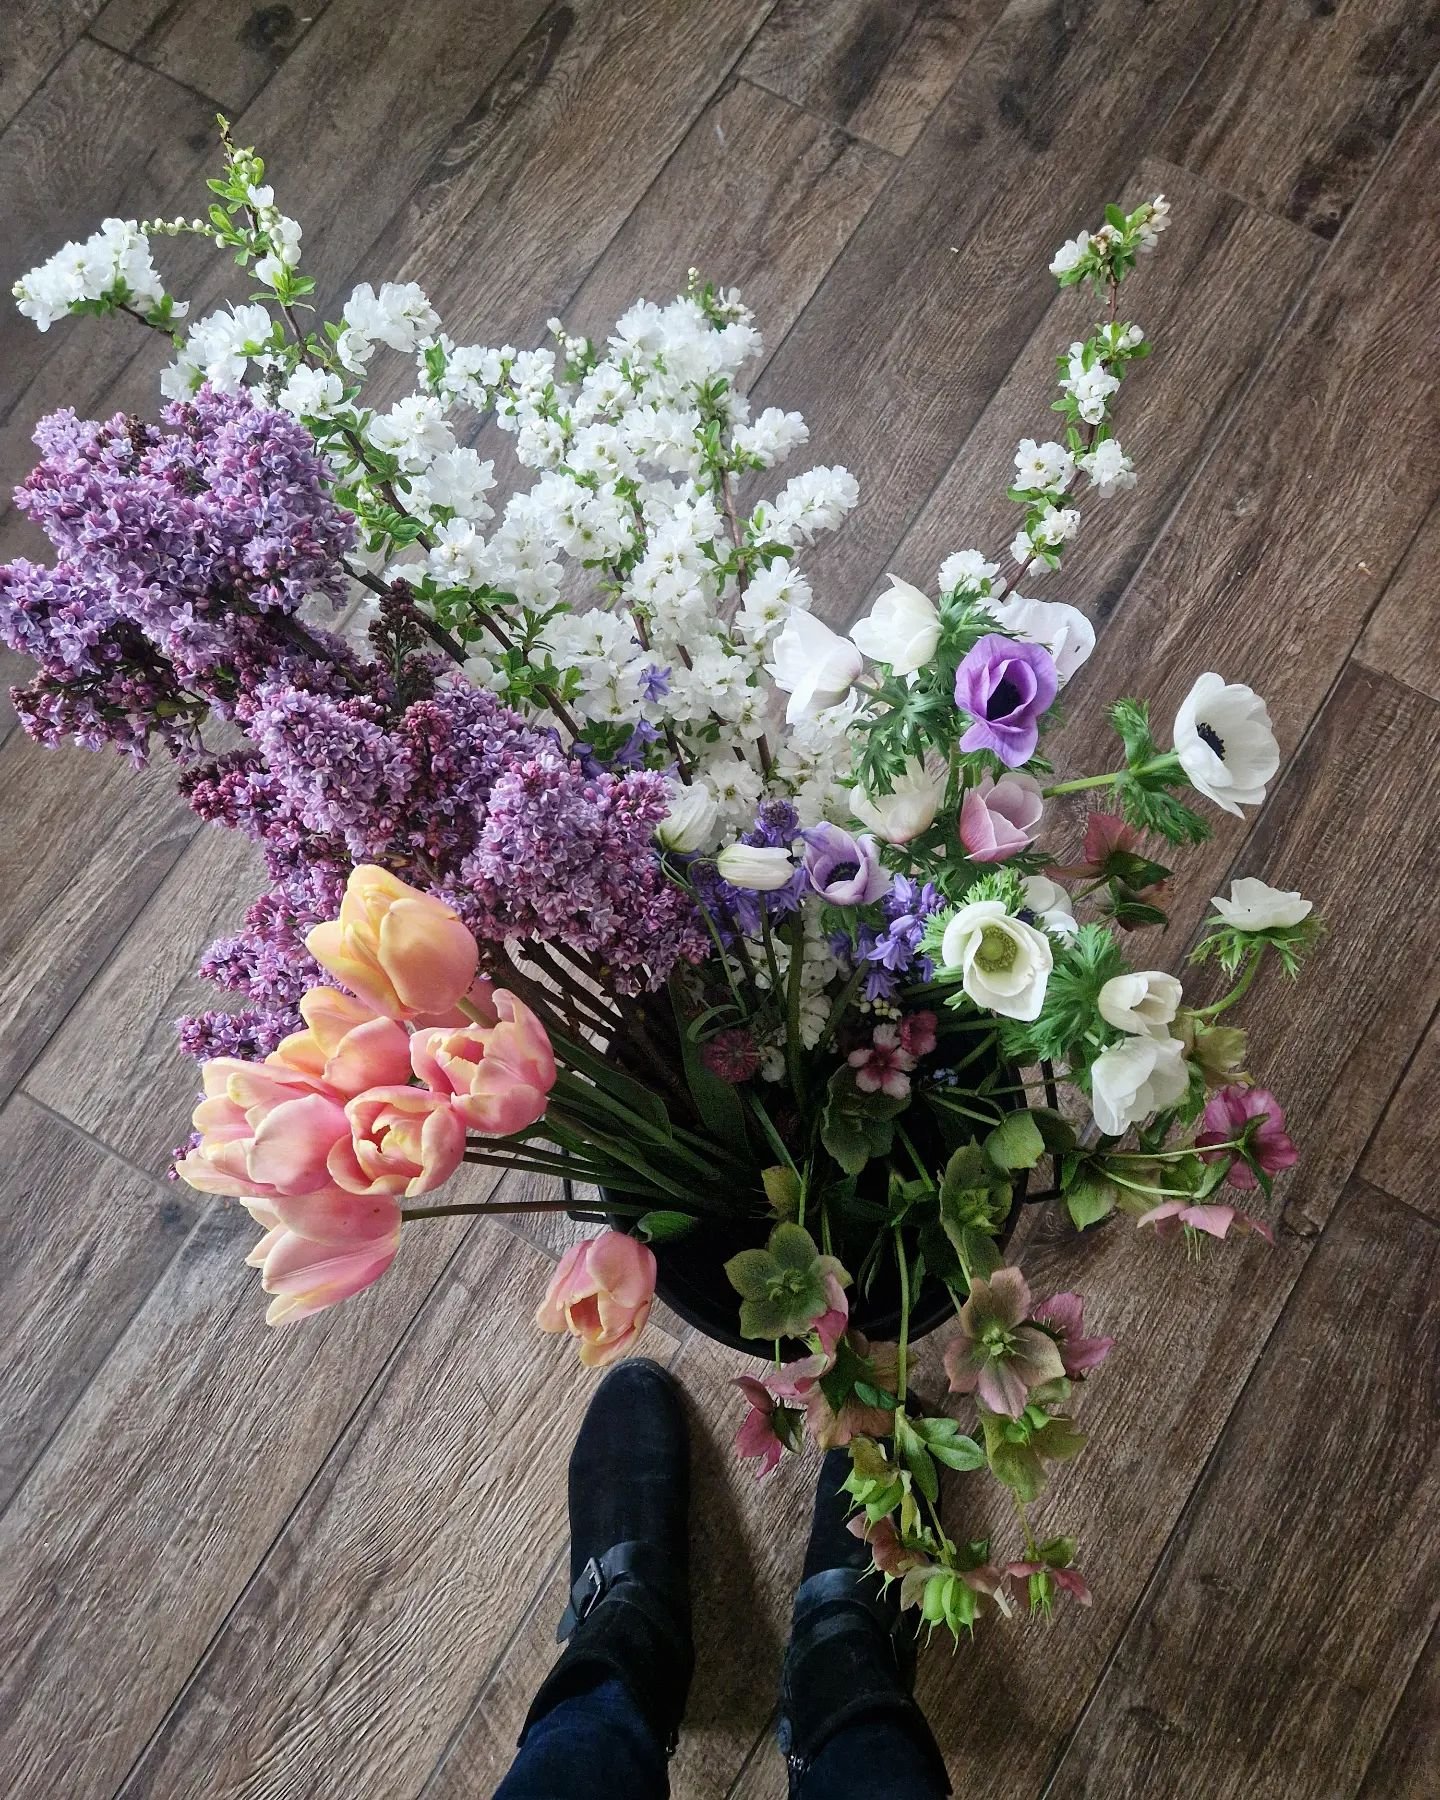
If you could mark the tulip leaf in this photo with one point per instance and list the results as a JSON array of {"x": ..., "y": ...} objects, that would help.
[{"x": 661, "y": 1227}]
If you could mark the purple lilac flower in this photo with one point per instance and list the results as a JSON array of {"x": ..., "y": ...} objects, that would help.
[
  {"x": 842, "y": 869},
  {"x": 1006, "y": 685}
]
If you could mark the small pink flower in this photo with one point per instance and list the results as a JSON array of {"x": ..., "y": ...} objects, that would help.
[
  {"x": 801, "y": 1381},
  {"x": 401, "y": 1140},
  {"x": 731, "y": 1055},
  {"x": 997, "y": 1356},
  {"x": 1061, "y": 1315},
  {"x": 1171, "y": 1219},
  {"x": 346, "y": 1045},
  {"x": 498, "y": 1074},
  {"x": 321, "y": 1248},
  {"x": 1226, "y": 1115},
  {"x": 887, "y": 1548},
  {"x": 1071, "y": 1580},
  {"x": 601, "y": 1294},
  {"x": 757, "y": 1438},
  {"x": 831, "y": 1325},
  {"x": 917, "y": 1034},
  {"x": 998, "y": 819},
  {"x": 883, "y": 1068}
]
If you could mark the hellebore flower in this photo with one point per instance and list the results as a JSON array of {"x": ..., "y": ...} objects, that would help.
[
  {"x": 1172, "y": 1218},
  {"x": 758, "y": 1438},
  {"x": 1006, "y": 686},
  {"x": 1062, "y": 1315},
  {"x": 1226, "y": 1115},
  {"x": 996, "y": 1355}
]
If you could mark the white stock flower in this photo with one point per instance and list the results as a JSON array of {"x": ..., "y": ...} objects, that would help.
[
  {"x": 1048, "y": 465},
  {"x": 1131, "y": 1081},
  {"x": 759, "y": 867},
  {"x": 908, "y": 809},
  {"x": 814, "y": 665},
  {"x": 1004, "y": 963},
  {"x": 1063, "y": 630},
  {"x": 1143, "y": 1003},
  {"x": 692, "y": 820},
  {"x": 1050, "y": 904},
  {"x": 902, "y": 628},
  {"x": 311, "y": 393},
  {"x": 1255, "y": 906},
  {"x": 1109, "y": 468},
  {"x": 968, "y": 568},
  {"x": 1225, "y": 744}
]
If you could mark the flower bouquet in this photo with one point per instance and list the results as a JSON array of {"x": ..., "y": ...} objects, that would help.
[{"x": 594, "y": 852}]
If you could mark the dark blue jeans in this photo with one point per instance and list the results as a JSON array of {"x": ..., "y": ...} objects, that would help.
[{"x": 598, "y": 1743}]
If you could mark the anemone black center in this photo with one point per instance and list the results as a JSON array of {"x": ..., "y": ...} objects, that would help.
[
  {"x": 1207, "y": 734},
  {"x": 1006, "y": 698},
  {"x": 844, "y": 871}
]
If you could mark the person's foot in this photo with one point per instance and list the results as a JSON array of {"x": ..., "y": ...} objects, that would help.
[
  {"x": 852, "y": 1650},
  {"x": 628, "y": 1616}
]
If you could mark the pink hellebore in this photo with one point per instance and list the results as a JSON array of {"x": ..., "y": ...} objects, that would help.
[
  {"x": 883, "y": 1067},
  {"x": 1062, "y": 1317},
  {"x": 401, "y": 1140},
  {"x": 1226, "y": 1115},
  {"x": 403, "y": 951},
  {"x": 918, "y": 1035},
  {"x": 346, "y": 1045},
  {"x": 1000, "y": 818},
  {"x": 498, "y": 1075},
  {"x": 799, "y": 1381},
  {"x": 890, "y": 1553},
  {"x": 1071, "y": 1580},
  {"x": 757, "y": 1439},
  {"x": 997, "y": 1356},
  {"x": 1171, "y": 1219},
  {"x": 264, "y": 1129},
  {"x": 321, "y": 1248},
  {"x": 601, "y": 1294}
]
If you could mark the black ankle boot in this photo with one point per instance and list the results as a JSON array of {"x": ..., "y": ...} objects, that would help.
[
  {"x": 629, "y": 1611},
  {"x": 852, "y": 1651}
]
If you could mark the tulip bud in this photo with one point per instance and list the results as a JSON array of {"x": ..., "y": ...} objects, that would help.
[{"x": 758, "y": 867}]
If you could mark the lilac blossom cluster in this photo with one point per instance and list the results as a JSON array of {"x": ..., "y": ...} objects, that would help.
[{"x": 184, "y": 553}]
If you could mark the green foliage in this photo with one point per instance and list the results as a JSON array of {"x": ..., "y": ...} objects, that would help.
[
  {"x": 661, "y": 1227},
  {"x": 1018, "y": 1449},
  {"x": 783, "y": 1188},
  {"x": 1089, "y": 1198},
  {"x": 1070, "y": 1013},
  {"x": 1152, "y": 808},
  {"x": 855, "y": 1126}
]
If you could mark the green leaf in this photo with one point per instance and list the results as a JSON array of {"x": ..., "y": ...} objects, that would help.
[
  {"x": 782, "y": 1190},
  {"x": 718, "y": 1102},
  {"x": 1089, "y": 1200},
  {"x": 979, "y": 1254},
  {"x": 661, "y": 1227},
  {"x": 1016, "y": 1142},
  {"x": 854, "y": 1127}
]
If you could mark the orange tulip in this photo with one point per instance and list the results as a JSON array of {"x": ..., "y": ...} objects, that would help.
[{"x": 601, "y": 1294}]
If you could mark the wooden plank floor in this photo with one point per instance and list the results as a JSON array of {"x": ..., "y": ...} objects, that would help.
[{"x": 327, "y": 1563}]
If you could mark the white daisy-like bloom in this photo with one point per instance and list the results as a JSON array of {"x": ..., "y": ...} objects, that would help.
[
  {"x": 1225, "y": 744},
  {"x": 1063, "y": 630},
  {"x": 1143, "y": 1002},
  {"x": 1255, "y": 906},
  {"x": 1051, "y": 905},
  {"x": 1004, "y": 963},
  {"x": 1134, "y": 1080}
]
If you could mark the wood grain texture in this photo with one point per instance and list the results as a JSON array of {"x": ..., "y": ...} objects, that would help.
[
  {"x": 138, "y": 1099},
  {"x": 37, "y": 35},
  {"x": 1211, "y": 304},
  {"x": 1285, "y": 539},
  {"x": 227, "y": 53},
  {"x": 1402, "y": 637},
  {"x": 82, "y": 1239},
  {"x": 531, "y": 186},
  {"x": 772, "y": 195},
  {"x": 1299, "y": 102},
  {"x": 372, "y": 1621},
  {"x": 143, "y": 1520},
  {"x": 1403, "y": 1157},
  {"x": 877, "y": 67},
  {"x": 747, "y": 1543},
  {"x": 1407, "y": 1764},
  {"x": 67, "y": 909},
  {"x": 1235, "y": 1679},
  {"x": 102, "y": 136}
]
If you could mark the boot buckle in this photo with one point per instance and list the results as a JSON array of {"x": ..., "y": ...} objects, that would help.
[{"x": 589, "y": 1586}]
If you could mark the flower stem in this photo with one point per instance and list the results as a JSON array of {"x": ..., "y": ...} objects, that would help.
[
  {"x": 903, "y": 1348},
  {"x": 1252, "y": 969},
  {"x": 793, "y": 1054}
]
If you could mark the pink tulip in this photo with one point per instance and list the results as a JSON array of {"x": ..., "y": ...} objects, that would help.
[
  {"x": 400, "y": 1140},
  {"x": 346, "y": 1045},
  {"x": 264, "y": 1130},
  {"x": 499, "y": 1075},
  {"x": 403, "y": 951},
  {"x": 320, "y": 1248},
  {"x": 1000, "y": 818},
  {"x": 601, "y": 1294}
]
